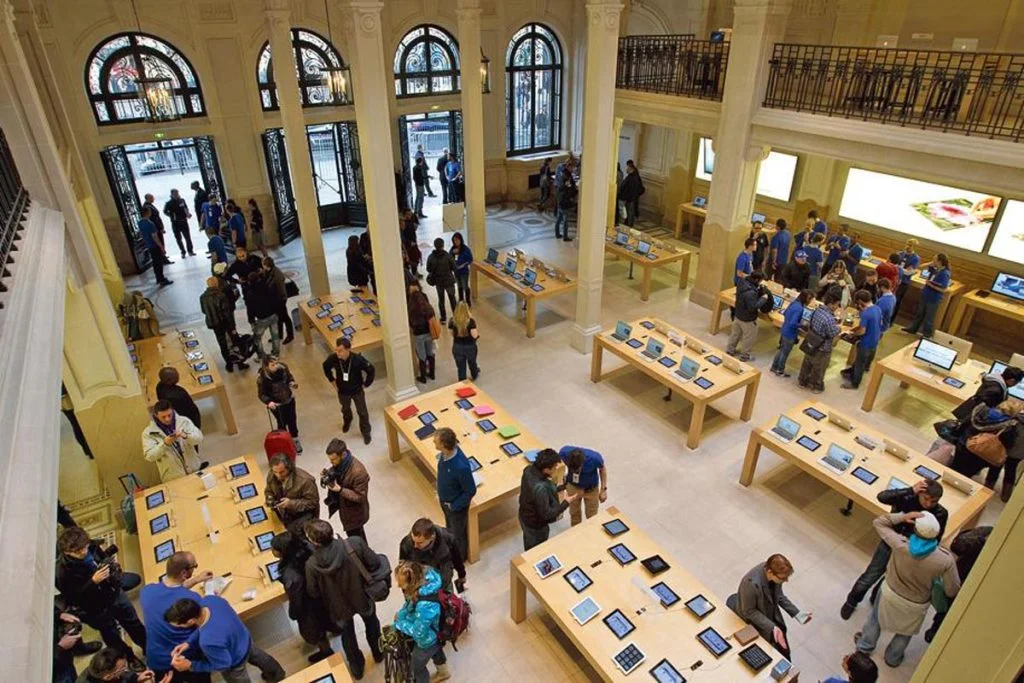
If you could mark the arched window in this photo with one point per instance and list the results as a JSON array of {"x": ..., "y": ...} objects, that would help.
[
  {"x": 312, "y": 53},
  {"x": 533, "y": 91},
  {"x": 427, "y": 62},
  {"x": 113, "y": 68}
]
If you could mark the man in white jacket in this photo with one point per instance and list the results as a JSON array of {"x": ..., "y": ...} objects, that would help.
[{"x": 170, "y": 441}]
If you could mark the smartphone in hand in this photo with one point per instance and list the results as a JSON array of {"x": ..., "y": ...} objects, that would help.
[{"x": 803, "y": 617}]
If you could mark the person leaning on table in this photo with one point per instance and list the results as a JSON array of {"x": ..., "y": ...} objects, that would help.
[
  {"x": 538, "y": 499},
  {"x": 586, "y": 474},
  {"x": 823, "y": 323},
  {"x": 455, "y": 486},
  {"x": 170, "y": 440},
  {"x": 759, "y": 601}
]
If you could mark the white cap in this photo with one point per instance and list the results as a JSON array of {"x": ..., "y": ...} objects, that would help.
[
  {"x": 219, "y": 268},
  {"x": 926, "y": 526}
]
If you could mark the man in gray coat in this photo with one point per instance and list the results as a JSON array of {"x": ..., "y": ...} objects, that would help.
[{"x": 759, "y": 600}]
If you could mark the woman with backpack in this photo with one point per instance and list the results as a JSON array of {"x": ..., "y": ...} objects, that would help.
[{"x": 420, "y": 618}]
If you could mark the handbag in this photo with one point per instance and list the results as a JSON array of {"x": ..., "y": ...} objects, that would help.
[
  {"x": 378, "y": 584},
  {"x": 947, "y": 430},
  {"x": 988, "y": 447},
  {"x": 812, "y": 343},
  {"x": 290, "y": 288},
  {"x": 435, "y": 328}
]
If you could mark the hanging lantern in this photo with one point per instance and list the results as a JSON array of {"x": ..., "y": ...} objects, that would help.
[
  {"x": 156, "y": 95},
  {"x": 338, "y": 81},
  {"x": 485, "y": 73}
]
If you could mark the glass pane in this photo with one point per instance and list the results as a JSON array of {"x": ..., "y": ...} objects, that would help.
[
  {"x": 123, "y": 76},
  {"x": 439, "y": 60},
  {"x": 197, "y": 104},
  {"x": 542, "y": 109},
  {"x": 543, "y": 30},
  {"x": 416, "y": 60},
  {"x": 398, "y": 86},
  {"x": 325, "y": 167},
  {"x": 415, "y": 86},
  {"x": 128, "y": 110},
  {"x": 171, "y": 54},
  {"x": 101, "y": 111},
  {"x": 443, "y": 83},
  {"x": 94, "y": 76},
  {"x": 263, "y": 66},
  {"x": 541, "y": 52},
  {"x": 312, "y": 65},
  {"x": 522, "y": 105},
  {"x": 318, "y": 96},
  {"x": 522, "y": 55},
  {"x": 155, "y": 68}
]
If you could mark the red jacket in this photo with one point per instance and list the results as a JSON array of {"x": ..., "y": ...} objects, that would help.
[{"x": 890, "y": 271}]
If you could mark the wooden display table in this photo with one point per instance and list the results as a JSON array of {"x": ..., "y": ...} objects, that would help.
[
  {"x": 360, "y": 313},
  {"x": 968, "y": 304},
  {"x": 953, "y": 293},
  {"x": 187, "y": 505},
  {"x": 501, "y": 474},
  {"x": 964, "y": 509},
  {"x": 549, "y": 285},
  {"x": 700, "y": 215},
  {"x": 902, "y": 366},
  {"x": 149, "y": 355},
  {"x": 661, "y": 633},
  {"x": 723, "y": 381},
  {"x": 330, "y": 670},
  {"x": 662, "y": 258},
  {"x": 727, "y": 299}
]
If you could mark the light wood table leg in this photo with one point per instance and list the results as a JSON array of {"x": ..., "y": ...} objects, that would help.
[
  {"x": 307, "y": 325},
  {"x": 517, "y": 592},
  {"x": 225, "y": 408},
  {"x": 394, "y": 451},
  {"x": 684, "y": 272},
  {"x": 595, "y": 361},
  {"x": 645, "y": 283},
  {"x": 474, "y": 281},
  {"x": 716, "y": 316},
  {"x": 872, "y": 391},
  {"x": 474, "y": 535},
  {"x": 956, "y": 319},
  {"x": 679, "y": 222},
  {"x": 968, "y": 318},
  {"x": 531, "y": 316},
  {"x": 696, "y": 424},
  {"x": 750, "y": 461},
  {"x": 749, "y": 396}
]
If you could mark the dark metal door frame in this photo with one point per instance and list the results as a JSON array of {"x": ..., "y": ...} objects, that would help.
[
  {"x": 209, "y": 166},
  {"x": 126, "y": 198},
  {"x": 276, "y": 157},
  {"x": 454, "y": 144}
]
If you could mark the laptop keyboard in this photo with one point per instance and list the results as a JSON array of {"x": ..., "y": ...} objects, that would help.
[{"x": 835, "y": 463}]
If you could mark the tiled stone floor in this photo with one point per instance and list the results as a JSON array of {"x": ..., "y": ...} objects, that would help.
[{"x": 689, "y": 501}]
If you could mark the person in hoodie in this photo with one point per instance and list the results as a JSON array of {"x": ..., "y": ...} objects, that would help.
[
  {"x": 279, "y": 286},
  {"x": 538, "y": 498},
  {"x": 311, "y": 615},
  {"x": 441, "y": 274},
  {"x": 333, "y": 578},
  {"x": 796, "y": 274},
  {"x": 419, "y": 619},
  {"x": 751, "y": 296},
  {"x": 455, "y": 486},
  {"x": 358, "y": 267},
  {"x": 276, "y": 387},
  {"x": 435, "y": 547},
  {"x": 261, "y": 308},
  {"x": 1000, "y": 421},
  {"x": 219, "y": 310},
  {"x": 463, "y": 257},
  {"x": 992, "y": 391}
]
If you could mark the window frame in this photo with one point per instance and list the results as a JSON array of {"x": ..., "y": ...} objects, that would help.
[
  {"x": 446, "y": 41},
  {"x": 529, "y": 32},
  {"x": 307, "y": 83}
]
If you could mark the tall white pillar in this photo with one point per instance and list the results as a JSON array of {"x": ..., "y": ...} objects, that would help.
[
  {"x": 370, "y": 81},
  {"x": 299, "y": 164},
  {"x": 613, "y": 176},
  {"x": 472, "y": 123},
  {"x": 598, "y": 137},
  {"x": 757, "y": 26}
]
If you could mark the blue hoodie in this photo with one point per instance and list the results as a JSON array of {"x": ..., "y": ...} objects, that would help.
[
  {"x": 421, "y": 620},
  {"x": 462, "y": 260}
]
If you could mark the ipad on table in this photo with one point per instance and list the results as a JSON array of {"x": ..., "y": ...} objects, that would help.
[
  {"x": 247, "y": 491},
  {"x": 703, "y": 383},
  {"x": 666, "y": 595},
  {"x": 274, "y": 570},
  {"x": 158, "y": 524},
  {"x": 700, "y": 606},
  {"x": 621, "y": 553},
  {"x": 335, "y": 326},
  {"x": 814, "y": 413},
  {"x": 511, "y": 449},
  {"x": 866, "y": 476},
  {"x": 714, "y": 642},
  {"x": 548, "y": 566},
  {"x": 618, "y": 624},
  {"x": 930, "y": 475},
  {"x": 263, "y": 540},
  {"x": 578, "y": 579},
  {"x": 256, "y": 515},
  {"x": 663, "y": 672},
  {"x": 164, "y": 550},
  {"x": 714, "y": 360},
  {"x": 615, "y": 527},
  {"x": 154, "y": 499},
  {"x": 486, "y": 426},
  {"x": 463, "y": 404},
  {"x": 808, "y": 443},
  {"x": 427, "y": 418},
  {"x": 585, "y": 610},
  {"x": 474, "y": 464},
  {"x": 655, "y": 564},
  {"x": 238, "y": 469}
]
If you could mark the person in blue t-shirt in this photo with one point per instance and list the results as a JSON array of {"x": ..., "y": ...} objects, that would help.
[
  {"x": 744, "y": 262},
  {"x": 221, "y": 639},
  {"x": 836, "y": 244},
  {"x": 816, "y": 224},
  {"x": 215, "y": 244},
  {"x": 908, "y": 260},
  {"x": 860, "y": 669},
  {"x": 154, "y": 242},
  {"x": 587, "y": 475},
  {"x": 791, "y": 321},
  {"x": 155, "y": 599},
  {"x": 934, "y": 289},
  {"x": 236, "y": 224},
  {"x": 815, "y": 258},
  {"x": 211, "y": 211},
  {"x": 886, "y": 302},
  {"x": 853, "y": 254},
  {"x": 779, "y": 249},
  {"x": 870, "y": 329}
]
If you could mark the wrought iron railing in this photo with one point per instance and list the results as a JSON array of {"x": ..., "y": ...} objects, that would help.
[
  {"x": 672, "y": 65},
  {"x": 13, "y": 205},
  {"x": 974, "y": 93}
]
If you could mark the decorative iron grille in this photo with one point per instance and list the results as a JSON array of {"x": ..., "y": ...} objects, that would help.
[
  {"x": 13, "y": 206},
  {"x": 672, "y": 65}
]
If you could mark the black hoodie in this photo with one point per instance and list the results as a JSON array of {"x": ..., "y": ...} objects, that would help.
[{"x": 333, "y": 578}]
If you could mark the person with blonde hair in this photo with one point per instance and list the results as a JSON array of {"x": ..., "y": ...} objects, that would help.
[
  {"x": 759, "y": 601},
  {"x": 419, "y": 619},
  {"x": 464, "y": 337}
]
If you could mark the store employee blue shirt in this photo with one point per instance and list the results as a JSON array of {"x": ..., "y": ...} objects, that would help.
[
  {"x": 744, "y": 264},
  {"x": 148, "y": 231},
  {"x": 821, "y": 227},
  {"x": 814, "y": 259},
  {"x": 941, "y": 278},
  {"x": 780, "y": 243},
  {"x": 223, "y": 639},
  {"x": 161, "y": 637},
  {"x": 886, "y": 303},
  {"x": 588, "y": 477},
  {"x": 908, "y": 261},
  {"x": 237, "y": 225},
  {"x": 791, "y": 320},
  {"x": 871, "y": 321}
]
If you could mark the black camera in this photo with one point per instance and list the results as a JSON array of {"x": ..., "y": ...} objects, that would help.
[
  {"x": 327, "y": 477},
  {"x": 70, "y": 628}
]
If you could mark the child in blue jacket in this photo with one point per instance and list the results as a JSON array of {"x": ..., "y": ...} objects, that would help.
[{"x": 420, "y": 619}]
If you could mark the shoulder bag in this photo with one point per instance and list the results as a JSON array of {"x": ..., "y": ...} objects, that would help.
[
  {"x": 988, "y": 447},
  {"x": 378, "y": 584},
  {"x": 435, "y": 328},
  {"x": 812, "y": 343}
]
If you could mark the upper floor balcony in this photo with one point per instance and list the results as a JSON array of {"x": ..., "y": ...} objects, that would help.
[{"x": 672, "y": 65}]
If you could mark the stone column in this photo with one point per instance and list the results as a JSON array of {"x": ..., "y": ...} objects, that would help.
[
  {"x": 758, "y": 25},
  {"x": 598, "y": 143},
  {"x": 299, "y": 164},
  {"x": 613, "y": 176},
  {"x": 472, "y": 123},
  {"x": 371, "y": 80}
]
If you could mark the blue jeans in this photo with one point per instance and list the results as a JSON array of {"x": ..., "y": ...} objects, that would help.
[
  {"x": 924, "y": 319},
  {"x": 872, "y": 630},
  {"x": 785, "y": 347},
  {"x": 420, "y": 656},
  {"x": 462, "y": 282},
  {"x": 560, "y": 219},
  {"x": 861, "y": 364},
  {"x": 465, "y": 354}
]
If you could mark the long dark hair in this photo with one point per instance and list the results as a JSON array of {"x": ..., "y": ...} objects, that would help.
[
  {"x": 462, "y": 242},
  {"x": 353, "y": 246}
]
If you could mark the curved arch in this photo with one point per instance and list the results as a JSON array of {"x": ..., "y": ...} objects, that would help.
[
  {"x": 311, "y": 53},
  {"x": 426, "y": 62},
  {"x": 533, "y": 90},
  {"x": 113, "y": 67}
]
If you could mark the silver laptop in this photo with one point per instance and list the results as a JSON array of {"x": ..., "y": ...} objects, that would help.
[
  {"x": 688, "y": 369},
  {"x": 958, "y": 481},
  {"x": 893, "y": 448},
  {"x": 622, "y": 331},
  {"x": 653, "y": 350},
  {"x": 839, "y": 421},
  {"x": 838, "y": 459},
  {"x": 785, "y": 429}
]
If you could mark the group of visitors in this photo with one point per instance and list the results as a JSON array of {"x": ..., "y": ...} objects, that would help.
[{"x": 560, "y": 184}]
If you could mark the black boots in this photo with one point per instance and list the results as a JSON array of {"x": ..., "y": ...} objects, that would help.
[
  {"x": 422, "y": 377},
  {"x": 430, "y": 366}
]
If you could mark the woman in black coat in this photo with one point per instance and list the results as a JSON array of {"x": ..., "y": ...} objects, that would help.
[
  {"x": 311, "y": 615},
  {"x": 358, "y": 273}
]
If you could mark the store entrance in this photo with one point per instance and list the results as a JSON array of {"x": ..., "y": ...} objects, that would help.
[{"x": 434, "y": 132}]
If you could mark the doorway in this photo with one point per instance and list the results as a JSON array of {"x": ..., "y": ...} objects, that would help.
[
  {"x": 156, "y": 168},
  {"x": 435, "y": 132}
]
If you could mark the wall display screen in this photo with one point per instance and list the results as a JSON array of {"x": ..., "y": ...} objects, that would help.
[
  {"x": 774, "y": 179},
  {"x": 705, "y": 159},
  {"x": 939, "y": 213},
  {"x": 1008, "y": 242}
]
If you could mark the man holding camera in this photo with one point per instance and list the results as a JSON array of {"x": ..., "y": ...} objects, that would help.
[
  {"x": 348, "y": 486},
  {"x": 91, "y": 580},
  {"x": 291, "y": 492}
]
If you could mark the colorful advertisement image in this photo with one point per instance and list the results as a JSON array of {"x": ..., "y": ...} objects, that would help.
[
  {"x": 939, "y": 213},
  {"x": 1008, "y": 242}
]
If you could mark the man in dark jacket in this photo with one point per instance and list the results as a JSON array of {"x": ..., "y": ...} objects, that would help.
[
  {"x": 966, "y": 547},
  {"x": 420, "y": 176},
  {"x": 751, "y": 297},
  {"x": 435, "y": 547},
  {"x": 311, "y": 615},
  {"x": 219, "y": 310},
  {"x": 455, "y": 486},
  {"x": 348, "y": 489},
  {"x": 334, "y": 578},
  {"x": 439, "y": 166},
  {"x": 110, "y": 665},
  {"x": 244, "y": 264},
  {"x": 169, "y": 390},
  {"x": 177, "y": 211},
  {"x": 992, "y": 392},
  {"x": 154, "y": 216},
  {"x": 92, "y": 581},
  {"x": 630, "y": 190},
  {"x": 538, "y": 498},
  {"x": 797, "y": 274},
  {"x": 441, "y": 274},
  {"x": 200, "y": 198},
  {"x": 279, "y": 285},
  {"x": 291, "y": 492},
  {"x": 261, "y": 308},
  {"x": 923, "y": 496},
  {"x": 350, "y": 374}
]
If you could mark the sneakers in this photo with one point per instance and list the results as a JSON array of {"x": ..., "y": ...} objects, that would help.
[
  {"x": 443, "y": 674},
  {"x": 164, "y": 283},
  {"x": 846, "y": 611},
  {"x": 848, "y": 385},
  {"x": 747, "y": 357},
  {"x": 298, "y": 445},
  {"x": 289, "y": 339}
]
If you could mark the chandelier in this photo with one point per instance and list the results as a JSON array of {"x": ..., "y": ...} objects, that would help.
[
  {"x": 336, "y": 79},
  {"x": 156, "y": 94}
]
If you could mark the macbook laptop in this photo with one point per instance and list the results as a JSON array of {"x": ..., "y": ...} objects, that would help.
[
  {"x": 653, "y": 350},
  {"x": 621, "y": 238},
  {"x": 838, "y": 459},
  {"x": 779, "y": 301},
  {"x": 688, "y": 368},
  {"x": 643, "y": 248},
  {"x": 492, "y": 256},
  {"x": 785, "y": 429},
  {"x": 530, "y": 277},
  {"x": 510, "y": 265},
  {"x": 622, "y": 331},
  {"x": 700, "y": 202}
]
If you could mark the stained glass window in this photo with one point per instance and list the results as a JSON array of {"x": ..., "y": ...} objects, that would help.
[
  {"x": 533, "y": 91},
  {"x": 427, "y": 62},
  {"x": 312, "y": 54},
  {"x": 113, "y": 68}
]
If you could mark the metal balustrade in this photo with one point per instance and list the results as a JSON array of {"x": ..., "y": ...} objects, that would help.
[
  {"x": 974, "y": 93},
  {"x": 672, "y": 65},
  {"x": 13, "y": 207}
]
